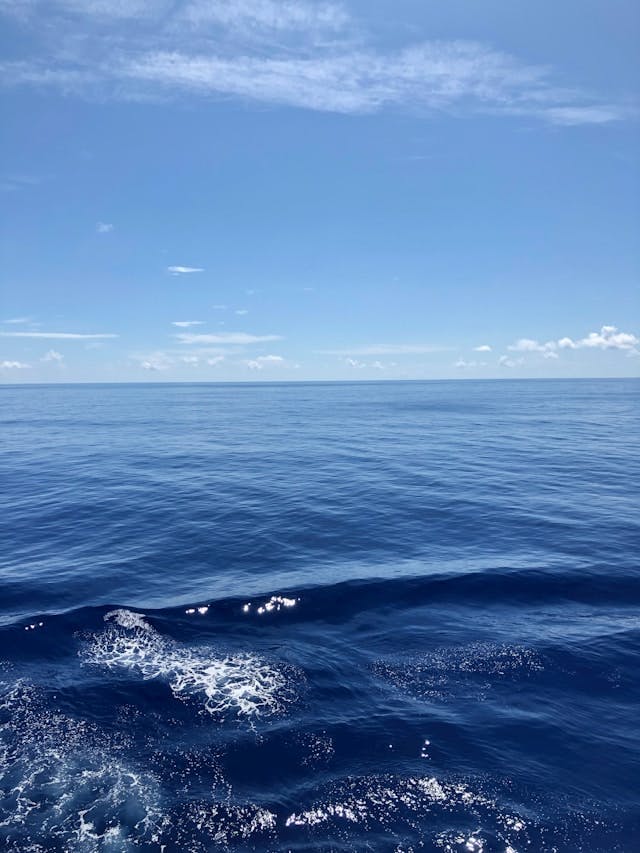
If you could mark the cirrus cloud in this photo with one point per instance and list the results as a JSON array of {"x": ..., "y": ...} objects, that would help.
[
  {"x": 296, "y": 53},
  {"x": 63, "y": 336},
  {"x": 236, "y": 338},
  {"x": 179, "y": 270}
]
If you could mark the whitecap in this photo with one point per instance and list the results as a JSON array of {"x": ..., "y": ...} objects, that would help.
[
  {"x": 240, "y": 683},
  {"x": 127, "y": 619}
]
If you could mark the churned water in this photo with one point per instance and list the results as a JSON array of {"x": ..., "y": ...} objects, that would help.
[{"x": 321, "y": 617}]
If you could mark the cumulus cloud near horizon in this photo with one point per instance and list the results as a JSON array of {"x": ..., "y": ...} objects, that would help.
[
  {"x": 608, "y": 338},
  {"x": 53, "y": 356},
  {"x": 14, "y": 365}
]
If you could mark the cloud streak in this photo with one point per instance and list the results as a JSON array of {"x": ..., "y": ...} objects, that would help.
[
  {"x": 387, "y": 349},
  {"x": 66, "y": 336},
  {"x": 236, "y": 338},
  {"x": 177, "y": 270}
]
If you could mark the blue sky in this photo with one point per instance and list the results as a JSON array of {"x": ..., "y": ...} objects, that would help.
[{"x": 261, "y": 190}]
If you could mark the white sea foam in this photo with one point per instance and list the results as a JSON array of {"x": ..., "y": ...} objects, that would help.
[
  {"x": 127, "y": 619},
  {"x": 225, "y": 823},
  {"x": 393, "y": 802},
  {"x": 471, "y": 670},
  {"x": 68, "y": 786},
  {"x": 243, "y": 684}
]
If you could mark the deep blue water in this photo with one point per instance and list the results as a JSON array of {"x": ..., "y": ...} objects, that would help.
[{"x": 390, "y": 617}]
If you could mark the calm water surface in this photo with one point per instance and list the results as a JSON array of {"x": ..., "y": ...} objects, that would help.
[{"x": 325, "y": 617}]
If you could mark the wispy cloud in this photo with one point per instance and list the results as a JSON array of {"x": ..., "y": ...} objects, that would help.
[
  {"x": 177, "y": 270},
  {"x": 157, "y": 361},
  {"x": 14, "y": 365},
  {"x": 482, "y": 348},
  {"x": 67, "y": 336},
  {"x": 54, "y": 356},
  {"x": 104, "y": 227},
  {"x": 309, "y": 55},
  {"x": 236, "y": 338},
  {"x": 261, "y": 15},
  {"x": 505, "y": 361},
  {"x": 11, "y": 183},
  {"x": 18, "y": 320},
  {"x": 462, "y": 364},
  {"x": 449, "y": 76},
  {"x": 185, "y": 324},
  {"x": 242, "y": 312},
  {"x": 386, "y": 349}
]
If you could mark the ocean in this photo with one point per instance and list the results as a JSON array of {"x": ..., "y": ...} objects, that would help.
[{"x": 395, "y": 616}]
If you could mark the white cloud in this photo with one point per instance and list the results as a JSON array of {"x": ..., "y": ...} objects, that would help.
[
  {"x": 183, "y": 270},
  {"x": 482, "y": 348},
  {"x": 353, "y": 362},
  {"x": 190, "y": 359},
  {"x": 529, "y": 345},
  {"x": 219, "y": 307},
  {"x": 67, "y": 336},
  {"x": 238, "y": 338},
  {"x": 212, "y": 362},
  {"x": 185, "y": 324},
  {"x": 505, "y": 361},
  {"x": 264, "y": 361},
  {"x": 608, "y": 338},
  {"x": 566, "y": 343},
  {"x": 53, "y": 355},
  {"x": 104, "y": 227},
  {"x": 242, "y": 311},
  {"x": 14, "y": 365},
  {"x": 18, "y": 320}
]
